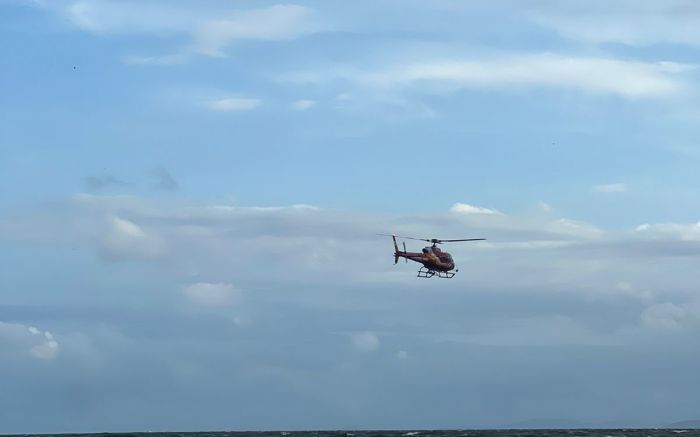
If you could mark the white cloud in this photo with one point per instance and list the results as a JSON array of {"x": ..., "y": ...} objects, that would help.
[
  {"x": 463, "y": 208},
  {"x": 16, "y": 338},
  {"x": 544, "y": 207},
  {"x": 629, "y": 22},
  {"x": 124, "y": 229},
  {"x": 242, "y": 209},
  {"x": 365, "y": 341},
  {"x": 210, "y": 28},
  {"x": 575, "y": 228},
  {"x": 45, "y": 350},
  {"x": 173, "y": 59},
  {"x": 115, "y": 17},
  {"x": 402, "y": 355},
  {"x": 610, "y": 188},
  {"x": 303, "y": 105},
  {"x": 629, "y": 79},
  {"x": 679, "y": 231},
  {"x": 122, "y": 238},
  {"x": 212, "y": 294},
  {"x": 278, "y": 22},
  {"x": 233, "y": 104}
]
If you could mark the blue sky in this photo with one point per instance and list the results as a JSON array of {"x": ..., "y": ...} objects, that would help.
[{"x": 190, "y": 193}]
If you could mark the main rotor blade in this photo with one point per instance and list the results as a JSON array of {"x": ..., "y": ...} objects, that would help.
[
  {"x": 411, "y": 238},
  {"x": 464, "y": 239},
  {"x": 407, "y": 238}
]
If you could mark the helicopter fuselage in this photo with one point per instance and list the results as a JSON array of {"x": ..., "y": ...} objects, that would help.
[{"x": 431, "y": 257}]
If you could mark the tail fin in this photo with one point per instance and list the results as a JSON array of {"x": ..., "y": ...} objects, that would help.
[{"x": 396, "y": 250}]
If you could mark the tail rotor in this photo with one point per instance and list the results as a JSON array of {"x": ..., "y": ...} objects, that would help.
[{"x": 397, "y": 252}]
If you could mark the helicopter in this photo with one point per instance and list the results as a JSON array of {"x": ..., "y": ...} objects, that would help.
[{"x": 435, "y": 261}]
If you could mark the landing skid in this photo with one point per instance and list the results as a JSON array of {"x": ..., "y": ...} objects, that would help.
[{"x": 427, "y": 273}]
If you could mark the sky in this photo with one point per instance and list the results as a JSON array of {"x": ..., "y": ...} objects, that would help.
[{"x": 190, "y": 194}]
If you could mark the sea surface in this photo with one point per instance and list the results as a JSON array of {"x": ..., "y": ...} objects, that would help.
[{"x": 433, "y": 433}]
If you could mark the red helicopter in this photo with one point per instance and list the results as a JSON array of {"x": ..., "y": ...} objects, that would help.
[{"x": 435, "y": 261}]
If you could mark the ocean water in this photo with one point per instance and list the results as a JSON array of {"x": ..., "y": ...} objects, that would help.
[{"x": 425, "y": 433}]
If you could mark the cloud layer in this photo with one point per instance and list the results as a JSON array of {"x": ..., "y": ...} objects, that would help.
[
  {"x": 323, "y": 298},
  {"x": 16, "y": 338},
  {"x": 210, "y": 28},
  {"x": 624, "y": 21},
  {"x": 628, "y": 79}
]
